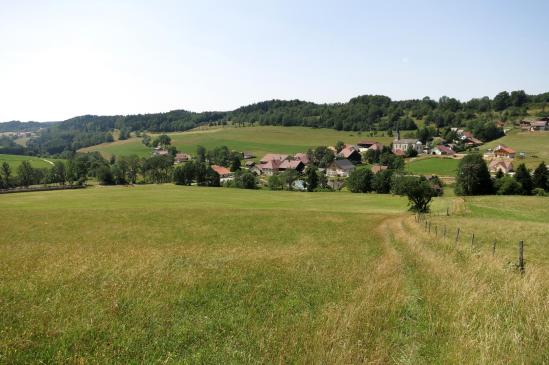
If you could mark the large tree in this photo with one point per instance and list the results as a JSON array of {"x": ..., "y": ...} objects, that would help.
[
  {"x": 25, "y": 173},
  {"x": 473, "y": 177},
  {"x": 312, "y": 178},
  {"x": 541, "y": 177},
  {"x": 5, "y": 175},
  {"x": 522, "y": 175},
  {"x": 360, "y": 180}
]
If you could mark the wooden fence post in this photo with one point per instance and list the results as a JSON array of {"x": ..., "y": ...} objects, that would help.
[
  {"x": 444, "y": 232},
  {"x": 447, "y": 212},
  {"x": 521, "y": 257},
  {"x": 425, "y": 226},
  {"x": 457, "y": 235},
  {"x": 429, "y": 226},
  {"x": 473, "y": 241},
  {"x": 436, "y": 231},
  {"x": 494, "y": 248}
]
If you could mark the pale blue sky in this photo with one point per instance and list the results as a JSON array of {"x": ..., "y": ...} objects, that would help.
[{"x": 60, "y": 59}]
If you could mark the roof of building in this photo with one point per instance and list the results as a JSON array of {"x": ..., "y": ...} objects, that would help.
[
  {"x": 406, "y": 140},
  {"x": 376, "y": 147},
  {"x": 274, "y": 156},
  {"x": 399, "y": 152},
  {"x": 508, "y": 165},
  {"x": 539, "y": 123},
  {"x": 378, "y": 168},
  {"x": 502, "y": 148},
  {"x": 445, "y": 149},
  {"x": 182, "y": 156},
  {"x": 221, "y": 170},
  {"x": 347, "y": 152},
  {"x": 366, "y": 143},
  {"x": 342, "y": 164},
  {"x": 294, "y": 164},
  {"x": 270, "y": 165},
  {"x": 302, "y": 157}
]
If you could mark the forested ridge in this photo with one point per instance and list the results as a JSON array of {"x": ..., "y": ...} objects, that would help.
[{"x": 362, "y": 113}]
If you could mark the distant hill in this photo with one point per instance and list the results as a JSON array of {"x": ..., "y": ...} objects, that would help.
[
  {"x": 362, "y": 113},
  {"x": 17, "y": 126}
]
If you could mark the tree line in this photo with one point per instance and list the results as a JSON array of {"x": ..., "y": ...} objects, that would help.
[{"x": 362, "y": 113}]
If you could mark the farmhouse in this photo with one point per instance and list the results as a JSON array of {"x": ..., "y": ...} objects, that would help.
[
  {"x": 248, "y": 155},
  {"x": 222, "y": 171},
  {"x": 182, "y": 157},
  {"x": 273, "y": 157},
  {"x": 363, "y": 146},
  {"x": 504, "y": 152},
  {"x": 350, "y": 153},
  {"x": 302, "y": 157},
  {"x": 504, "y": 166},
  {"x": 443, "y": 150},
  {"x": 539, "y": 125},
  {"x": 341, "y": 168},
  {"x": 376, "y": 147},
  {"x": 291, "y": 165},
  {"x": 159, "y": 151},
  {"x": 269, "y": 167}
]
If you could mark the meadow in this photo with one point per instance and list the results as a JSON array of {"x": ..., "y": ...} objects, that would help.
[
  {"x": 15, "y": 160},
  {"x": 440, "y": 166},
  {"x": 164, "y": 273},
  {"x": 535, "y": 145},
  {"x": 259, "y": 140}
]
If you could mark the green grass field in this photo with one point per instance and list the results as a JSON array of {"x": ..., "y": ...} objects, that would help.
[
  {"x": 534, "y": 144},
  {"x": 171, "y": 274},
  {"x": 433, "y": 166},
  {"x": 258, "y": 140},
  {"x": 15, "y": 160}
]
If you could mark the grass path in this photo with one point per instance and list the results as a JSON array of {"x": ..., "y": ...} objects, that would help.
[{"x": 462, "y": 307}]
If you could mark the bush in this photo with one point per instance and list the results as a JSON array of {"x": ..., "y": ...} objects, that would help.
[
  {"x": 104, "y": 175},
  {"x": 507, "y": 186}
]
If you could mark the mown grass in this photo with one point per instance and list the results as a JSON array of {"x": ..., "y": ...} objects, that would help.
[
  {"x": 258, "y": 140},
  {"x": 433, "y": 166},
  {"x": 201, "y": 275},
  {"x": 15, "y": 160}
]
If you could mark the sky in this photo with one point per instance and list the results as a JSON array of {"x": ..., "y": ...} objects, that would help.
[{"x": 60, "y": 59}]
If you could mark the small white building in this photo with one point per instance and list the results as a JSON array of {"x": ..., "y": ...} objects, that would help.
[{"x": 404, "y": 144}]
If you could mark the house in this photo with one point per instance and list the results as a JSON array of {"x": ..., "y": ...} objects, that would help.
[
  {"x": 350, "y": 153},
  {"x": 525, "y": 124},
  {"x": 222, "y": 171},
  {"x": 539, "y": 125},
  {"x": 248, "y": 155},
  {"x": 363, "y": 146},
  {"x": 249, "y": 164},
  {"x": 504, "y": 152},
  {"x": 376, "y": 147},
  {"x": 159, "y": 151},
  {"x": 443, "y": 150},
  {"x": 273, "y": 156},
  {"x": 269, "y": 167},
  {"x": 340, "y": 168},
  {"x": 504, "y": 166},
  {"x": 378, "y": 168},
  {"x": 181, "y": 157},
  {"x": 302, "y": 157},
  {"x": 291, "y": 165},
  {"x": 403, "y": 145}
]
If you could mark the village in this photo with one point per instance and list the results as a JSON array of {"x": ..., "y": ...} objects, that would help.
[{"x": 347, "y": 157}]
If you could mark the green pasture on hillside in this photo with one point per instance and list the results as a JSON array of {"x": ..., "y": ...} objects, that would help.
[
  {"x": 37, "y": 162},
  {"x": 535, "y": 145},
  {"x": 433, "y": 166},
  {"x": 258, "y": 140}
]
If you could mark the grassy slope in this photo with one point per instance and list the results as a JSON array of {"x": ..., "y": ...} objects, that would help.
[
  {"x": 259, "y": 140},
  {"x": 184, "y": 274},
  {"x": 15, "y": 160},
  {"x": 534, "y": 144}
]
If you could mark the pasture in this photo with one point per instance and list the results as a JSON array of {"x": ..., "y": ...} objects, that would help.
[
  {"x": 15, "y": 160},
  {"x": 259, "y": 140},
  {"x": 441, "y": 166},
  {"x": 164, "y": 273},
  {"x": 534, "y": 144}
]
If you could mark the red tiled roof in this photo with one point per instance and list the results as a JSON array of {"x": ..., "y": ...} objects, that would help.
[
  {"x": 446, "y": 149},
  {"x": 221, "y": 170},
  {"x": 302, "y": 157},
  {"x": 347, "y": 151},
  {"x": 294, "y": 164},
  {"x": 502, "y": 148}
]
